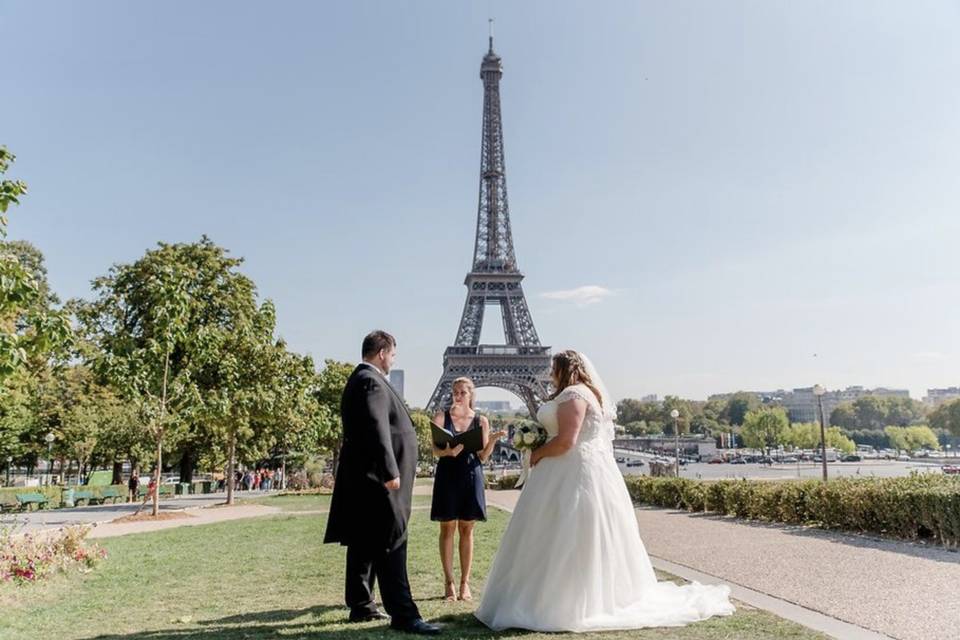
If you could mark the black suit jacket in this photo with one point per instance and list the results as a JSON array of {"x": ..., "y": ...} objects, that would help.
[{"x": 379, "y": 444}]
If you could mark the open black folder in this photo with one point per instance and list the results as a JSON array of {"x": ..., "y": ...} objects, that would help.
[{"x": 472, "y": 439}]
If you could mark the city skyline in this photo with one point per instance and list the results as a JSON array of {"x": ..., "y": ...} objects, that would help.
[{"x": 695, "y": 217}]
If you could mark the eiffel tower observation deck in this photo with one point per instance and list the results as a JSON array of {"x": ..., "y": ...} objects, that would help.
[{"x": 521, "y": 364}]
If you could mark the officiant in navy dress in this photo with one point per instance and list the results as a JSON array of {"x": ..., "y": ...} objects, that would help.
[{"x": 458, "y": 486}]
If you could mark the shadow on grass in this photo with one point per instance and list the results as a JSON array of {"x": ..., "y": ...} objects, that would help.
[{"x": 326, "y": 622}]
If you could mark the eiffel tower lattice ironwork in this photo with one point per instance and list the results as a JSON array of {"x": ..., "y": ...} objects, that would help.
[{"x": 522, "y": 364}]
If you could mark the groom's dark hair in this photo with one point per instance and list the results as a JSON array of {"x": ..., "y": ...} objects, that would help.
[{"x": 375, "y": 341}]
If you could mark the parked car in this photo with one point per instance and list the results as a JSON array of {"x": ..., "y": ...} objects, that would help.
[
  {"x": 903, "y": 458},
  {"x": 635, "y": 463},
  {"x": 716, "y": 460},
  {"x": 851, "y": 457},
  {"x": 789, "y": 460},
  {"x": 950, "y": 469},
  {"x": 738, "y": 461}
]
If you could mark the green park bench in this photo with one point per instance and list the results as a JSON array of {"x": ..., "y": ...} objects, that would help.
[
  {"x": 83, "y": 495},
  {"x": 113, "y": 494},
  {"x": 27, "y": 499}
]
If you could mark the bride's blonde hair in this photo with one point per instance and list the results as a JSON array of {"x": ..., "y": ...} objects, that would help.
[{"x": 568, "y": 369}]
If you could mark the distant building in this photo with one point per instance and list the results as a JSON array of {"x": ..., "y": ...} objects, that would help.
[
  {"x": 801, "y": 404},
  {"x": 649, "y": 398},
  {"x": 494, "y": 406},
  {"x": 396, "y": 381},
  {"x": 936, "y": 397}
]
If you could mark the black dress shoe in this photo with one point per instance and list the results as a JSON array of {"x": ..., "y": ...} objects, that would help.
[
  {"x": 369, "y": 616},
  {"x": 417, "y": 626}
]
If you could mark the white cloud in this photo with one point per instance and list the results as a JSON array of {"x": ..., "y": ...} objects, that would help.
[{"x": 581, "y": 296}]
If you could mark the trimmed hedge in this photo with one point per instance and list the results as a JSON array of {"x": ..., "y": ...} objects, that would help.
[{"x": 921, "y": 506}]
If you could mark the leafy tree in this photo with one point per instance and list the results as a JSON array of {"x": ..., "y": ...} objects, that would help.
[
  {"x": 739, "y": 405},
  {"x": 146, "y": 328},
  {"x": 671, "y": 403},
  {"x": 631, "y": 410},
  {"x": 874, "y": 437},
  {"x": 765, "y": 428},
  {"x": 904, "y": 411},
  {"x": 330, "y": 383},
  {"x": 844, "y": 416},
  {"x": 29, "y": 324},
  {"x": 921, "y": 437},
  {"x": 947, "y": 417},
  {"x": 897, "y": 436},
  {"x": 421, "y": 422}
]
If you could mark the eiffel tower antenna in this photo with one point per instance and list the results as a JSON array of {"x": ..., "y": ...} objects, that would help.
[{"x": 521, "y": 364}]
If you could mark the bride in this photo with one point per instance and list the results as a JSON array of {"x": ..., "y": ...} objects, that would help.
[{"x": 571, "y": 558}]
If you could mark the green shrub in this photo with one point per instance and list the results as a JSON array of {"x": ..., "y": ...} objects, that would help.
[
  {"x": 921, "y": 506},
  {"x": 502, "y": 482}
]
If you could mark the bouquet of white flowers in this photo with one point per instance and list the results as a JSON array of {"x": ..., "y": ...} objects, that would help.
[
  {"x": 529, "y": 437},
  {"x": 526, "y": 438}
]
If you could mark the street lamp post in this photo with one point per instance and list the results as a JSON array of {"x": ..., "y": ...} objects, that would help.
[
  {"x": 676, "y": 437},
  {"x": 818, "y": 391},
  {"x": 10, "y": 461},
  {"x": 49, "y": 438},
  {"x": 948, "y": 450}
]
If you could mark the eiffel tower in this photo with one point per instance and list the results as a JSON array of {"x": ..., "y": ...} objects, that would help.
[{"x": 522, "y": 364}]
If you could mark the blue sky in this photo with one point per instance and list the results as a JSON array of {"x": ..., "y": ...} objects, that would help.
[{"x": 747, "y": 183}]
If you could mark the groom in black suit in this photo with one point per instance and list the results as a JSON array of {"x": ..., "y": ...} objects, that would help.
[{"x": 373, "y": 492}]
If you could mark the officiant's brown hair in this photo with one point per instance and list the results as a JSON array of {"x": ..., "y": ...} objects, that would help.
[{"x": 570, "y": 370}]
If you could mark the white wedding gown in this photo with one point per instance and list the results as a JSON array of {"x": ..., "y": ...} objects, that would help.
[{"x": 572, "y": 559}]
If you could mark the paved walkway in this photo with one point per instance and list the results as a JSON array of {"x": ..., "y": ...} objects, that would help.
[
  {"x": 900, "y": 590},
  {"x": 33, "y": 521},
  {"x": 194, "y": 516}
]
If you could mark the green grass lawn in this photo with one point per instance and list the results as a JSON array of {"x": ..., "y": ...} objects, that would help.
[
  {"x": 272, "y": 578},
  {"x": 312, "y": 502}
]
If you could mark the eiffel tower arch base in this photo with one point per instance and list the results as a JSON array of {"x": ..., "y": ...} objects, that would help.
[{"x": 523, "y": 371}]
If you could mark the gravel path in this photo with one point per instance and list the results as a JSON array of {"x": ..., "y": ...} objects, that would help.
[{"x": 902, "y": 590}]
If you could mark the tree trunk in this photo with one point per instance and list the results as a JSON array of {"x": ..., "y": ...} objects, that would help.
[
  {"x": 156, "y": 478},
  {"x": 231, "y": 467},
  {"x": 118, "y": 473},
  {"x": 160, "y": 429},
  {"x": 187, "y": 462}
]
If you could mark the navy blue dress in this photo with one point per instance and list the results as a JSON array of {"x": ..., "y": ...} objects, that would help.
[{"x": 458, "y": 483}]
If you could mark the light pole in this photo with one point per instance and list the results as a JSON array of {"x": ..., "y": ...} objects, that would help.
[
  {"x": 676, "y": 437},
  {"x": 10, "y": 460},
  {"x": 819, "y": 391},
  {"x": 947, "y": 446},
  {"x": 49, "y": 438}
]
